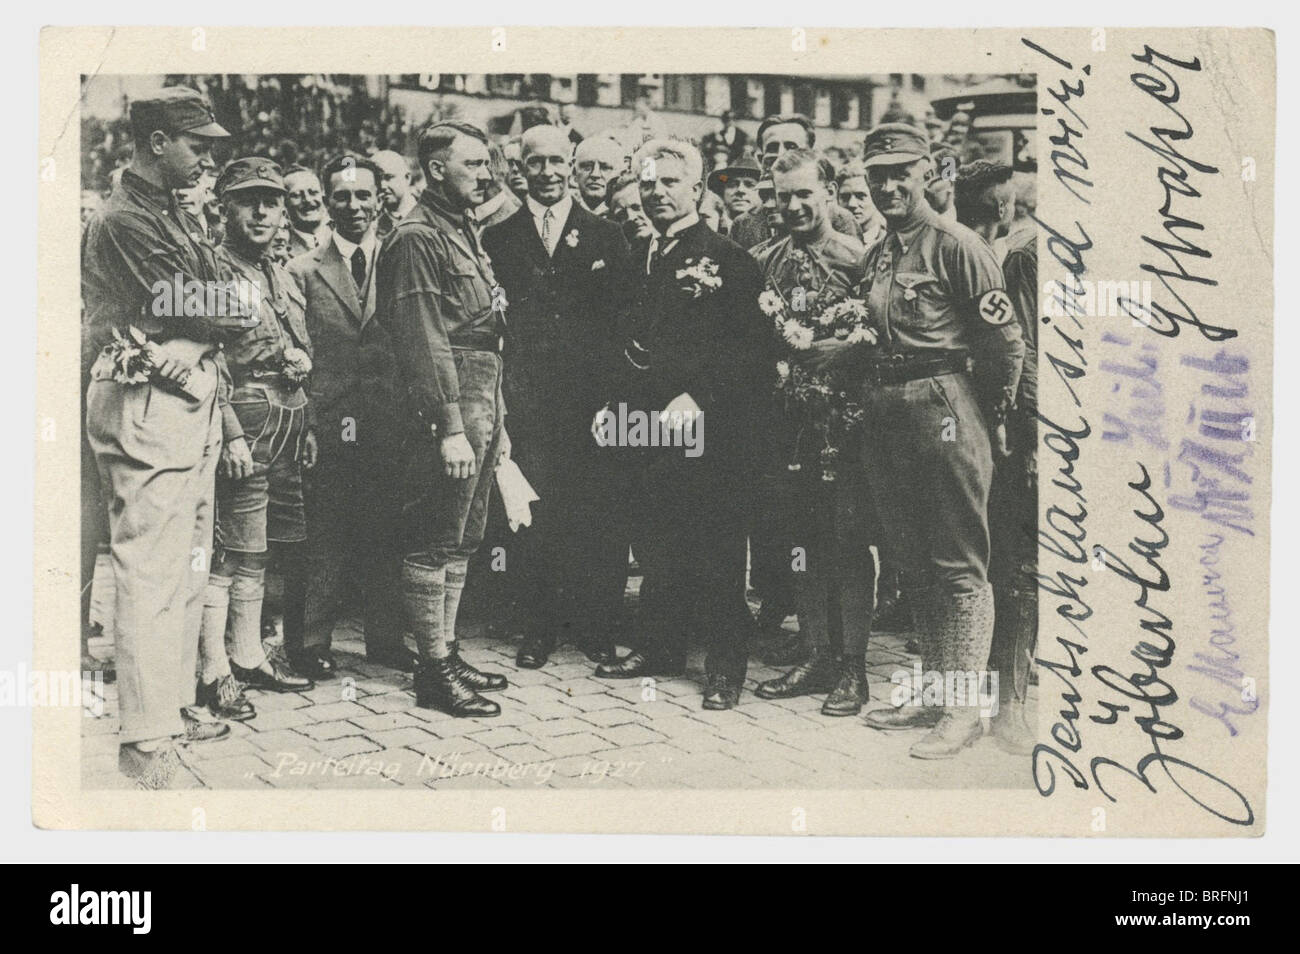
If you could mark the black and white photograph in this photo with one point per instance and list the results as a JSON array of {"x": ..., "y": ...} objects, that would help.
[
  {"x": 853, "y": 432},
  {"x": 662, "y": 431}
]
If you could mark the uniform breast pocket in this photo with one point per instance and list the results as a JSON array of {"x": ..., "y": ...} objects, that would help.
[
  {"x": 919, "y": 296},
  {"x": 465, "y": 289}
]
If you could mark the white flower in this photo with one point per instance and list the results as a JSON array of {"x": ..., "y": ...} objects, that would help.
[
  {"x": 796, "y": 335},
  {"x": 598, "y": 264},
  {"x": 703, "y": 276},
  {"x": 862, "y": 335},
  {"x": 769, "y": 302},
  {"x": 571, "y": 239},
  {"x": 783, "y": 371}
]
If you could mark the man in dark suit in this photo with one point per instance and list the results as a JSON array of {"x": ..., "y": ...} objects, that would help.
[
  {"x": 350, "y": 495},
  {"x": 565, "y": 273},
  {"x": 699, "y": 354}
]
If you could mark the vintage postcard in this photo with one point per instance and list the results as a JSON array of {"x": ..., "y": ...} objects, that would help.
[{"x": 790, "y": 431}]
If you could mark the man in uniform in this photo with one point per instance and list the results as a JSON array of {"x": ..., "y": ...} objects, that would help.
[
  {"x": 157, "y": 435},
  {"x": 700, "y": 346},
  {"x": 260, "y": 504},
  {"x": 565, "y": 275},
  {"x": 986, "y": 203},
  {"x": 351, "y": 496},
  {"x": 935, "y": 293},
  {"x": 813, "y": 267},
  {"x": 439, "y": 298}
]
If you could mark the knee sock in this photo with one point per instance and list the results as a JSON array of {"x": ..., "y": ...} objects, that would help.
[
  {"x": 244, "y": 629},
  {"x": 454, "y": 586},
  {"x": 213, "y": 662},
  {"x": 424, "y": 594}
]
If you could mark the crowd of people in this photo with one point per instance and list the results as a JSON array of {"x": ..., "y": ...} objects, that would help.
[{"x": 809, "y": 371}]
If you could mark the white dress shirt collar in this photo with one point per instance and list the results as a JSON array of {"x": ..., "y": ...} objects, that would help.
[
  {"x": 346, "y": 248},
  {"x": 559, "y": 209}
]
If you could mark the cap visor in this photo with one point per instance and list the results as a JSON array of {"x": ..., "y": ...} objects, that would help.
[
  {"x": 894, "y": 159},
  {"x": 255, "y": 184},
  {"x": 209, "y": 131}
]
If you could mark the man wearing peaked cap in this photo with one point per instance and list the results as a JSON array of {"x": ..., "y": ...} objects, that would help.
[
  {"x": 261, "y": 504},
  {"x": 157, "y": 469},
  {"x": 939, "y": 385}
]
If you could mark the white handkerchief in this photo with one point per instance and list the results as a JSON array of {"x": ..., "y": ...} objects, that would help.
[{"x": 516, "y": 494}]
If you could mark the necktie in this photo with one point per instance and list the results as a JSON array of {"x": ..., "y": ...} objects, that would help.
[
  {"x": 359, "y": 268},
  {"x": 548, "y": 231}
]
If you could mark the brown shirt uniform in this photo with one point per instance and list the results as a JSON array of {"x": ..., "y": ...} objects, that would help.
[{"x": 934, "y": 285}]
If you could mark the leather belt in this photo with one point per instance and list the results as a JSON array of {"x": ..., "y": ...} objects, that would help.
[{"x": 901, "y": 367}]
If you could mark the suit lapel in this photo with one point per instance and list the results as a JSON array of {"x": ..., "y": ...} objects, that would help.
[
  {"x": 338, "y": 276},
  {"x": 525, "y": 233}
]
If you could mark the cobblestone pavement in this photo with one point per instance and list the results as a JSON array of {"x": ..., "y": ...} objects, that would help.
[{"x": 559, "y": 728}]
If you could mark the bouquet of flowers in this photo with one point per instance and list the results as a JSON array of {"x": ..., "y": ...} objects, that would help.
[
  {"x": 130, "y": 357},
  {"x": 297, "y": 365},
  {"x": 822, "y": 410}
]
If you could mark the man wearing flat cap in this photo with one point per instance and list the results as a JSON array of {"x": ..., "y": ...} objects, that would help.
[
  {"x": 155, "y": 423},
  {"x": 262, "y": 503},
  {"x": 939, "y": 384}
]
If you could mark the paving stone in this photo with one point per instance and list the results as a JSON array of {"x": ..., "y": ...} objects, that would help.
[
  {"x": 330, "y": 730},
  {"x": 594, "y": 702},
  {"x": 386, "y": 720},
  {"x": 561, "y": 746},
  {"x": 348, "y": 745},
  {"x": 387, "y": 701},
  {"x": 627, "y": 735},
  {"x": 280, "y": 719},
  {"x": 338, "y": 710},
  {"x": 395, "y": 738},
  {"x": 496, "y": 738},
  {"x": 612, "y": 716},
  {"x": 552, "y": 727}
]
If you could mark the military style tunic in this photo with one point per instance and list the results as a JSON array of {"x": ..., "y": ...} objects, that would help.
[
  {"x": 273, "y": 412},
  {"x": 935, "y": 292},
  {"x": 437, "y": 296}
]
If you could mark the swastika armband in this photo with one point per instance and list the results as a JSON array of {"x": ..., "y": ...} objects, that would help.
[{"x": 995, "y": 307}]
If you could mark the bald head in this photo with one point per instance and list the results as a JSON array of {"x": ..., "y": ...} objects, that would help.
[
  {"x": 394, "y": 179},
  {"x": 545, "y": 152}
]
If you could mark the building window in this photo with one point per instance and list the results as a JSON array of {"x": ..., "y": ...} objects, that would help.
[{"x": 684, "y": 92}]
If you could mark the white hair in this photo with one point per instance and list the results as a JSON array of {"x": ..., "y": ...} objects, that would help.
[{"x": 678, "y": 149}]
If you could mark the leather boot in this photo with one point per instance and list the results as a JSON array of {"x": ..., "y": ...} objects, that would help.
[
  {"x": 850, "y": 691},
  {"x": 1015, "y": 627},
  {"x": 437, "y": 686},
  {"x": 965, "y": 636},
  {"x": 814, "y": 676},
  {"x": 476, "y": 680}
]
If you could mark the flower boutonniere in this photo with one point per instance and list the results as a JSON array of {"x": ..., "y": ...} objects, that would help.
[
  {"x": 700, "y": 277},
  {"x": 571, "y": 239},
  {"x": 598, "y": 264}
]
